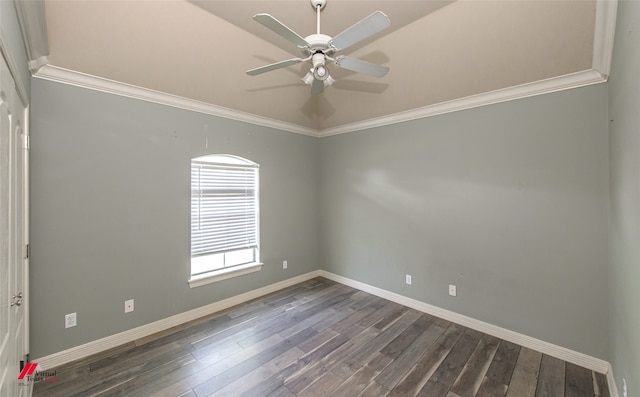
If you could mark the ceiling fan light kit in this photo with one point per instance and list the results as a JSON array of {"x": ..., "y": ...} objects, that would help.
[
  {"x": 319, "y": 48},
  {"x": 320, "y": 72}
]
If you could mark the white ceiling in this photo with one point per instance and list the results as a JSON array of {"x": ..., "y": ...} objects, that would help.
[{"x": 437, "y": 51}]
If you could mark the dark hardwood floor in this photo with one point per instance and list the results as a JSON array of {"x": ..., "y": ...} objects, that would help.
[{"x": 320, "y": 338}]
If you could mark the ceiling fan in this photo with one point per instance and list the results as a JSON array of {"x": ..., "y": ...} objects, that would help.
[{"x": 319, "y": 48}]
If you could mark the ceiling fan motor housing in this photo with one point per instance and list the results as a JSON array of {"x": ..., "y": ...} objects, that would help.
[{"x": 318, "y": 43}]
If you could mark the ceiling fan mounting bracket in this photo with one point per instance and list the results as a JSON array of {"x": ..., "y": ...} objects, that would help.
[{"x": 316, "y": 3}]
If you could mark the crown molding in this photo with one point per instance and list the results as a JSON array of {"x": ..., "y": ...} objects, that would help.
[
  {"x": 561, "y": 83},
  {"x": 604, "y": 34},
  {"x": 83, "y": 80},
  {"x": 5, "y": 51},
  {"x": 33, "y": 24},
  {"x": 78, "y": 79},
  {"x": 36, "y": 64}
]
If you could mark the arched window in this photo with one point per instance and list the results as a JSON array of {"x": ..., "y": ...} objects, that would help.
[{"x": 224, "y": 215}]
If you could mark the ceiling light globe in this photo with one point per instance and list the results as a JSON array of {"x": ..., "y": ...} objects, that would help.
[
  {"x": 329, "y": 81},
  {"x": 320, "y": 72},
  {"x": 308, "y": 78}
]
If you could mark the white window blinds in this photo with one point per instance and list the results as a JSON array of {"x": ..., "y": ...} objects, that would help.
[{"x": 224, "y": 207}]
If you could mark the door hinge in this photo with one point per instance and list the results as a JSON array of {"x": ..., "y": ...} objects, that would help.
[
  {"x": 27, "y": 251},
  {"x": 27, "y": 142}
]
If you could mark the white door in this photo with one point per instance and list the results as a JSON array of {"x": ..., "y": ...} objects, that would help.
[{"x": 13, "y": 255}]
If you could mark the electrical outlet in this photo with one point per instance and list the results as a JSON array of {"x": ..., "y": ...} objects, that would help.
[
  {"x": 284, "y": 264},
  {"x": 128, "y": 306},
  {"x": 70, "y": 320},
  {"x": 453, "y": 291},
  {"x": 408, "y": 279}
]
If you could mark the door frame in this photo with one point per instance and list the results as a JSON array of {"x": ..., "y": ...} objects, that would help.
[{"x": 23, "y": 98}]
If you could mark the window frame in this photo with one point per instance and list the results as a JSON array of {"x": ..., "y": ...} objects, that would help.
[{"x": 221, "y": 162}]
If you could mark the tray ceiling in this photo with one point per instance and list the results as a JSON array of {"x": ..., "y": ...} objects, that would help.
[{"x": 437, "y": 51}]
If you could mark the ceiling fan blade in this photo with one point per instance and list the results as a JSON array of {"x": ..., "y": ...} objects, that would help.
[
  {"x": 360, "y": 66},
  {"x": 372, "y": 24},
  {"x": 317, "y": 86},
  {"x": 281, "y": 29},
  {"x": 274, "y": 66}
]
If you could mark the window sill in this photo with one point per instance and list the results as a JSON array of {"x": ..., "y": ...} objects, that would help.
[{"x": 223, "y": 274}]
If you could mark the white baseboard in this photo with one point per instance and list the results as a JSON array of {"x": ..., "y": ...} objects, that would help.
[
  {"x": 611, "y": 380},
  {"x": 583, "y": 360},
  {"x": 109, "y": 342},
  {"x": 87, "y": 349}
]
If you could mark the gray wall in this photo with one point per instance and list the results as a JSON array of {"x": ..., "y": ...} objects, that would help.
[
  {"x": 509, "y": 202},
  {"x": 624, "y": 226},
  {"x": 110, "y": 210}
]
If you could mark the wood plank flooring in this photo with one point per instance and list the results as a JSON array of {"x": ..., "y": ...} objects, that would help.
[{"x": 321, "y": 338}]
